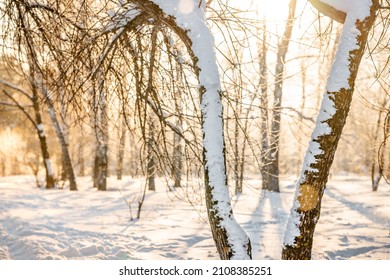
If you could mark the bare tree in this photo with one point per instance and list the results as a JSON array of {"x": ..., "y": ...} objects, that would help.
[
  {"x": 36, "y": 119},
  {"x": 60, "y": 134}
]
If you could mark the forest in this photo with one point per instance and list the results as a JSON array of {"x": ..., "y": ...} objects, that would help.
[{"x": 194, "y": 129}]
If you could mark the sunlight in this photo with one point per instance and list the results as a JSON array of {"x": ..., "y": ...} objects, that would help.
[
  {"x": 272, "y": 10},
  {"x": 186, "y": 6}
]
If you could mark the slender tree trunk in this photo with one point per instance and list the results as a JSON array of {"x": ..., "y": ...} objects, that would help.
[
  {"x": 45, "y": 151},
  {"x": 177, "y": 140},
  {"x": 303, "y": 105},
  {"x": 101, "y": 162},
  {"x": 32, "y": 61},
  {"x": 95, "y": 175},
  {"x": 3, "y": 162},
  {"x": 42, "y": 138},
  {"x": 273, "y": 168},
  {"x": 375, "y": 178},
  {"x": 330, "y": 122},
  {"x": 237, "y": 111},
  {"x": 80, "y": 158},
  {"x": 67, "y": 163},
  {"x": 64, "y": 149},
  {"x": 134, "y": 159},
  {"x": 264, "y": 127},
  {"x": 376, "y": 153},
  {"x": 151, "y": 165},
  {"x": 121, "y": 148},
  {"x": 382, "y": 151},
  {"x": 177, "y": 157},
  {"x": 101, "y": 130},
  {"x": 237, "y": 159},
  {"x": 243, "y": 147}
]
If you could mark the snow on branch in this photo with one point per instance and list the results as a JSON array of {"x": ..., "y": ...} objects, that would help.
[
  {"x": 339, "y": 9},
  {"x": 189, "y": 16}
]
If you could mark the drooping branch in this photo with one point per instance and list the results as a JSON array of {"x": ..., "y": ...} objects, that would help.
[{"x": 21, "y": 107}]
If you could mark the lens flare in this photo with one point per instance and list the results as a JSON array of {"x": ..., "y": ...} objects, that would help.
[{"x": 186, "y": 6}]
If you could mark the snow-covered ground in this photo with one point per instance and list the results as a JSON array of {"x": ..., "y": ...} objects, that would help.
[{"x": 87, "y": 224}]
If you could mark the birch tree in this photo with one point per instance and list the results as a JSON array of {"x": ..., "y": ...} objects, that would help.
[
  {"x": 60, "y": 135},
  {"x": 33, "y": 31},
  {"x": 358, "y": 18},
  {"x": 36, "y": 120},
  {"x": 101, "y": 134}
]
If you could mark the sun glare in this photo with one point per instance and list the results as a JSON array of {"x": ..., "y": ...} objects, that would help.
[
  {"x": 274, "y": 10},
  {"x": 186, "y": 6}
]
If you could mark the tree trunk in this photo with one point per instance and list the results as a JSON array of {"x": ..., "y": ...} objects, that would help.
[
  {"x": 302, "y": 112},
  {"x": 273, "y": 168},
  {"x": 330, "y": 122},
  {"x": 80, "y": 158},
  {"x": 42, "y": 139},
  {"x": 101, "y": 130},
  {"x": 177, "y": 157},
  {"x": 134, "y": 156},
  {"x": 177, "y": 167},
  {"x": 375, "y": 178},
  {"x": 121, "y": 148},
  {"x": 151, "y": 165},
  {"x": 264, "y": 127},
  {"x": 67, "y": 163},
  {"x": 237, "y": 159},
  {"x": 101, "y": 163},
  {"x": 65, "y": 151},
  {"x": 237, "y": 112},
  {"x": 379, "y": 153},
  {"x": 231, "y": 240}
]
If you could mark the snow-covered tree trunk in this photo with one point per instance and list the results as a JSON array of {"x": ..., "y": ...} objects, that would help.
[
  {"x": 189, "y": 21},
  {"x": 360, "y": 16}
]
